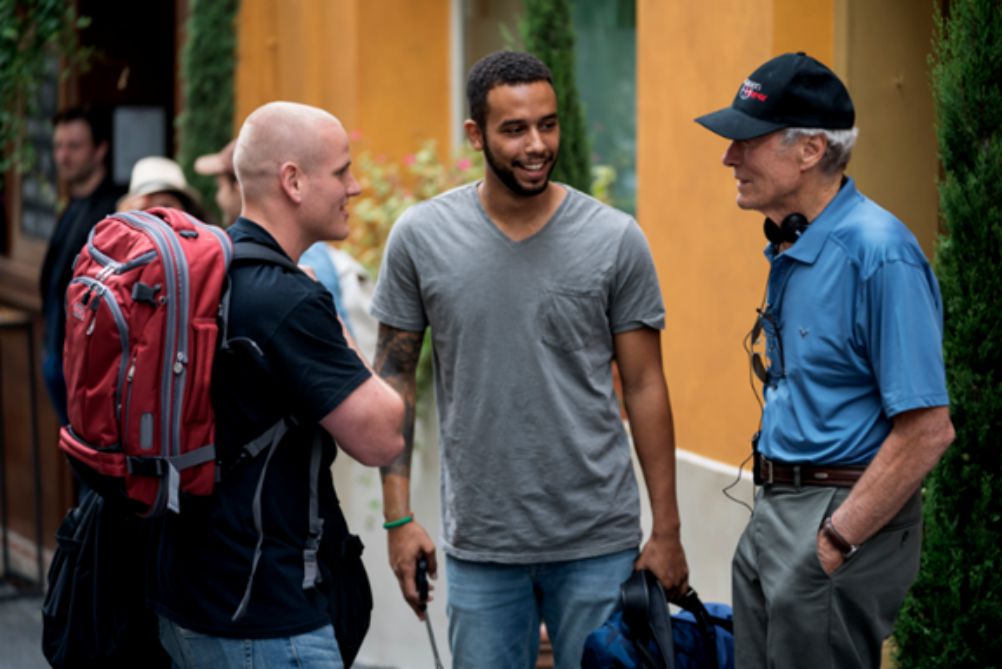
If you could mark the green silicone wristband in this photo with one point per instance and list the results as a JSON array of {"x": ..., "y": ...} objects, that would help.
[{"x": 390, "y": 524}]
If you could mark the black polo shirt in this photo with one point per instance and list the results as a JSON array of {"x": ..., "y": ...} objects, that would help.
[{"x": 306, "y": 370}]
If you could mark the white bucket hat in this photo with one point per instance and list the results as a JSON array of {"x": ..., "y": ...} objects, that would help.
[{"x": 156, "y": 174}]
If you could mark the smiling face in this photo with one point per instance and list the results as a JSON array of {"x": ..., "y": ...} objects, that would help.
[
  {"x": 330, "y": 184},
  {"x": 769, "y": 173},
  {"x": 520, "y": 138}
]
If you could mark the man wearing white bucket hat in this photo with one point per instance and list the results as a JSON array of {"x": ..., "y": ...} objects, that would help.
[{"x": 159, "y": 182}]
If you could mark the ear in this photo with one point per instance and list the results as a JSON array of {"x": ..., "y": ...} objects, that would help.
[
  {"x": 474, "y": 134},
  {"x": 101, "y": 151},
  {"x": 812, "y": 150},
  {"x": 290, "y": 179}
]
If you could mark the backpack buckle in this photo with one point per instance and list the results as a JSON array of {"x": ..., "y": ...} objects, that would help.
[{"x": 147, "y": 466}]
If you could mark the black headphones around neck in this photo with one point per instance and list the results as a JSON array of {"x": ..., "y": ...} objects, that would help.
[{"x": 789, "y": 230}]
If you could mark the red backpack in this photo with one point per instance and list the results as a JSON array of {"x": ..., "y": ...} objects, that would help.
[
  {"x": 146, "y": 314},
  {"x": 141, "y": 335}
]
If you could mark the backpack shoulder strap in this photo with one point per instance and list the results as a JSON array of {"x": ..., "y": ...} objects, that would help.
[
  {"x": 250, "y": 252},
  {"x": 247, "y": 252},
  {"x": 268, "y": 442}
]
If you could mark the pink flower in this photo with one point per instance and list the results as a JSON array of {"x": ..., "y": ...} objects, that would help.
[
  {"x": 409, "y": 159},
  {"x": 355, "y": 135},
  {"x": 464, "y": 164}
]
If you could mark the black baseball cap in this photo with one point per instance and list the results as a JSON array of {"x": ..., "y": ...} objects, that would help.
[{"x": 789, "y": 91}]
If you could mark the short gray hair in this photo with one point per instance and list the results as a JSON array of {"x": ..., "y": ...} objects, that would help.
[{"x": 840, "y": 143}]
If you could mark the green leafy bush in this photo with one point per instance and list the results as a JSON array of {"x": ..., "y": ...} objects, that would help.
[
  {"x": 953, "y": 614},
  {"x": 389, "y": 188}
]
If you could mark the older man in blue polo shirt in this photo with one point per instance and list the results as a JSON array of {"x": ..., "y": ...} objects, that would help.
[{"x": 856, "y": 408}]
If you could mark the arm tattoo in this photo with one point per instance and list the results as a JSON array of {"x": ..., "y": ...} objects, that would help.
[{"x": 396, "y": 360}]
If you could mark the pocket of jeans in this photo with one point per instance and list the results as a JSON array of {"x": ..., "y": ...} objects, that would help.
[{"x": 572, "y": 319}]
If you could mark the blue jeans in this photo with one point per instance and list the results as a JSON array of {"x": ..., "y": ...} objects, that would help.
[
  {"x": 495, "y": 609},
  {"x": 191, "y": 650}
]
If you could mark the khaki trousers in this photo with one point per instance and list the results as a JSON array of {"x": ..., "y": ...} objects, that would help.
[{"x": 788, "y": 612}]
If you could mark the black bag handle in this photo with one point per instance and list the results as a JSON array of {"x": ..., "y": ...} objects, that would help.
[{"x": 645, "y": 612}]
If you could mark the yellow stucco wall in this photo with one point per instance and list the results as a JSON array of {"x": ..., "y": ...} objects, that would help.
[
  {"x": 382, "y": 67},
  {"x": 691, "y": 58},
  {"x": 884, "y": 47}
]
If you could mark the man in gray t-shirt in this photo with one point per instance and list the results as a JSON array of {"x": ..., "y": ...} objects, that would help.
[{"x": 531, "y": 290}]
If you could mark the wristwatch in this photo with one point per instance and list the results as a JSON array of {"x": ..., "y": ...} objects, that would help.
[{"x": 847, "y": 549}]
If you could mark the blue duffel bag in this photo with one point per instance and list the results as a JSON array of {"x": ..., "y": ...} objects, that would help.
[{"x": 641, "y": 634}]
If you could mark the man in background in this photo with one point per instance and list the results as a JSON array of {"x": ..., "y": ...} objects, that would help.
[
  {"x": 219, "y": 166},
  {"x": 80, "y": 150},
  {"x": 157, "y": 181}
]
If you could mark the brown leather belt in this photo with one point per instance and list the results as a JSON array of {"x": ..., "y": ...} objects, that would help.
[{"x": 771, "y": 472}]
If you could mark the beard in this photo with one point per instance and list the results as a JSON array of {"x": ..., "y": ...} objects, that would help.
[{"x": 507, "y": 176}]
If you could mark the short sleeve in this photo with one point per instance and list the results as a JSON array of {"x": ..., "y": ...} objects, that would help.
[
  {"x": 397, "y": 300},
  {"x": 902, "y": 326},
  {"x": 635, "y": 300},
  {"x": 311, "y": 361}
]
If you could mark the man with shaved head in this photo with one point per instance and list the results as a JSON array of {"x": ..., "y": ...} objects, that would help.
[{"x": 243, "y": 577}]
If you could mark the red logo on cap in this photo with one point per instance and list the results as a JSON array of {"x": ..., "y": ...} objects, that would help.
[{"x": 752, "y": 90}]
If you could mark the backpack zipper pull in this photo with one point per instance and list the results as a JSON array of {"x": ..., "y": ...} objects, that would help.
[{"x": 94, "y": 304}]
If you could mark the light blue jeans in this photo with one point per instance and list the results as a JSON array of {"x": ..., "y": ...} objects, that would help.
[
  {"x": 495, "y": 609},
  {"x": 191, "y": 650}
]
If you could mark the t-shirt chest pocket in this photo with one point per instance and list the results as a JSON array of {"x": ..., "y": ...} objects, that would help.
[{"x": 573, "y": 318}]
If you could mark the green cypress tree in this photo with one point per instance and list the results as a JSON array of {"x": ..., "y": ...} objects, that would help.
[
  {"x": 548, "y": 34},
  {"x": 953, "y": 615},
  {"x": 205, "y": 123}
]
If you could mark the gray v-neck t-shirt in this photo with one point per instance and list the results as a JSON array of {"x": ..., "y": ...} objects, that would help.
[{"x": 535, "y": 459}]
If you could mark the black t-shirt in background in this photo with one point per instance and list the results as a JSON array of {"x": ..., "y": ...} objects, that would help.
[{"x": 307, "y": 369}]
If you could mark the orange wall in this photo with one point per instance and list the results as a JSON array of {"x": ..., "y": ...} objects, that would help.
[
  {"x": 691, "y": 58},
  {"x": 895, "y": 161},
  {"x": 381, "y": 67}
]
